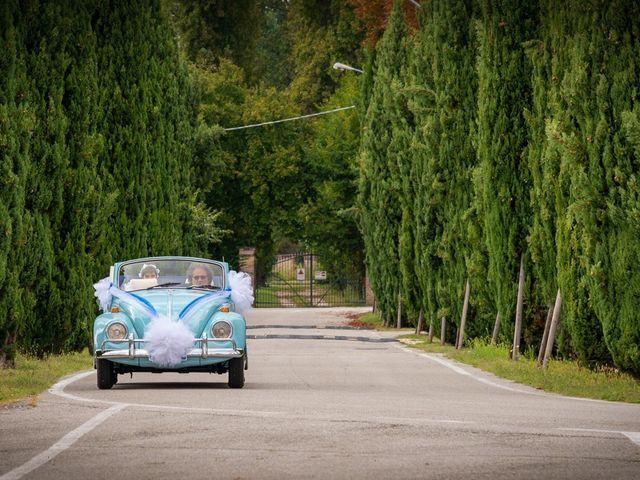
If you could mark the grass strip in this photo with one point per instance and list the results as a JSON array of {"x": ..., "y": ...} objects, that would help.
[
  {"x": 32, "y": 375},
  {"x": 562, "y": 376}
]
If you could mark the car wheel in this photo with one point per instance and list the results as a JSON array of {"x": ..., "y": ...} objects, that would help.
[
  {"x": 236, "y": 372},
  {"x": 107, "y": 376}
]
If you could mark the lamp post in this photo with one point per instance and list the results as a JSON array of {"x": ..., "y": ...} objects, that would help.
[{"x": 342, "y": 66}]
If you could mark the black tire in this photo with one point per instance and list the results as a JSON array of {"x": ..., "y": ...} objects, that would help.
[
  {"x": 236, "y": 372},
  {"x": 107, "y": 376}
]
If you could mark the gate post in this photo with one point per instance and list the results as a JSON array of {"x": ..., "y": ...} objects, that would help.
[{"x": 247, "y": 257}]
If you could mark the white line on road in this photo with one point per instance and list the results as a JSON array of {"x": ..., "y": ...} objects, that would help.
[
  {"x": 633, "y": 436},
  {"x": 451, "y": 365},
  {"x": 461, "y": 371},
  {"x": 61, "y": 445},
  {"x": 58, "y": 390}
]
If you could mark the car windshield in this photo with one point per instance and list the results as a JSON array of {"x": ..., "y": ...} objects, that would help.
[{"x": 175, "y": 273}]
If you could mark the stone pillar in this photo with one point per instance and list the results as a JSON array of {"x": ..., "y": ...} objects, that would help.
[{"x": 248, "y": 265}]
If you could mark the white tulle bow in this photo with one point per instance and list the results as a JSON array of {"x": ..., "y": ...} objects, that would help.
[
  {"x": 167, "y": 341},
  {"x": 241, "y": 290},
  {"x": 102, "y": 293}
]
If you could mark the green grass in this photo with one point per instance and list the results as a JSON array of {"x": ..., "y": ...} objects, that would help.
[
  {"x": 298, "y": 294},
  {"x": 562, "y": 376},
  {"x": 268, "y": 296},
  {"x": 372, "y": 320},
  {"x": 32, "y": 376}
]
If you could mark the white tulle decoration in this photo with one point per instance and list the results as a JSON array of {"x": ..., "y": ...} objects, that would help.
[
  {"x": 102, "y": 293},
  {"x": 167, "y": 341},
  {"x": 241, "y": 290}
]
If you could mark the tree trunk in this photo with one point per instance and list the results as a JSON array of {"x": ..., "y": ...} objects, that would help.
[
  {"x": 496, "y": 329},
  {"x": 552, "y": 330},
  {"x": 545, "y": 335},
  {"x": 431, "y": 331},
  {"x": 8, "y": 352},
  {"x": 518, "y": 328},
  {"x": 463, "y": 319},
  {"x": 419, "y": 325}
]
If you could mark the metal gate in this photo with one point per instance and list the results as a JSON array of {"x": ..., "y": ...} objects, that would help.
[{"x": 301, "y": 280}]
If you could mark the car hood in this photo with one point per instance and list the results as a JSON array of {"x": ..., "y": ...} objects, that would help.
[{"x": 192, "y": 307}]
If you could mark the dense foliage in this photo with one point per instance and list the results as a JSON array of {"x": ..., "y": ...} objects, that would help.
[
  {"x": 524, "y": 120},
  {"x": 112, "y": 145},
  {"x": 97, "y": 137},
  {"x": 486, "y": 133}
]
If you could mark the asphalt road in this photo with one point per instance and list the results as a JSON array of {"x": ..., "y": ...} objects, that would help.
[{"x": 320, "y": 402}]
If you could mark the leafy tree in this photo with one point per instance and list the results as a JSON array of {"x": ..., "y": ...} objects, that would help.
[
  {"x": 374, "y": 15},
  {"x": 214, "y": 29},
  {"x": 329, "y": 217},
  {"x": 320, "y": 33}
]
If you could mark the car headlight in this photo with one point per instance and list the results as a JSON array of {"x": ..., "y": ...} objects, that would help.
[
  {"x": 116, "y": 331},
  {"x": 221, "y": 329}
]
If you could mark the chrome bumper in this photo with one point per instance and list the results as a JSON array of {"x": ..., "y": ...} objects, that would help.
[{"x": 134, "y": 349}]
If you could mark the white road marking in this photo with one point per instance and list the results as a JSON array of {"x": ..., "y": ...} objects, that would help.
[
  {"x": 58, "y": 390},
  {"x": 633, "y": 436},
  {"x": 451, "y": 365},
  {"x": 61, "y": 445},
  {"x": 461, "y": 371}
]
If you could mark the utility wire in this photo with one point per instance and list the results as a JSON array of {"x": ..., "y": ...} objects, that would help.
[{"x": 290, "y": 119}]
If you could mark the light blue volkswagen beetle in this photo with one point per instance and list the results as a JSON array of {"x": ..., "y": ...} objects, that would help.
[{"x": 171, "y": 314}]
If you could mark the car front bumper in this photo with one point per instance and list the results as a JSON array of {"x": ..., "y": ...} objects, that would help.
[{"x": 134, "y": 349}]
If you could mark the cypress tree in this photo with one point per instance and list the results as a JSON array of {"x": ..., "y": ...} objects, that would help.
[
  {"x": 44, "y": 200},
  {"x": 501, "y": 179},
  {"x": 17, "y": 122},
  {"x": 422, "y": 103},
  {"x": 543, "y": 166},
  {"x": 572, "y": 104},
  {"x": 610, "y": 135},
  {"x": 379, "y": 188},
  {"x": 448, "y": 178},
  {"x": 145, "y": 120},
  {"x": 75, "y": 270}
]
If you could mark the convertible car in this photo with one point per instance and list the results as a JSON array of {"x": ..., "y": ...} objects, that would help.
[{"x": 171, "y": 314}]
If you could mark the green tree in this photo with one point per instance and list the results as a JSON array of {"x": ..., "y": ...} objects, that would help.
[
  {"x": 379, "y": 187},
  {"x": 445, "y": 105},
  {"x": 17, "y": 122},
  {"x": 501, "y": 179},
  {"x": 147, "y": 122},
  {"x": 604, "y": 192},
  {"x": 329, "y": 216}
]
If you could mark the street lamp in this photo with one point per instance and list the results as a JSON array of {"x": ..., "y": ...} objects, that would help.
[
  {"x": 337, "y": 66},
  {"x": 342, "y": 66}
]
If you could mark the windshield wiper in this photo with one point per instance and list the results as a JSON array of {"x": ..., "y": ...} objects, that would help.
[
  {"x": 205, "y": 287},
  {"x": 167, "y": 284}
]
